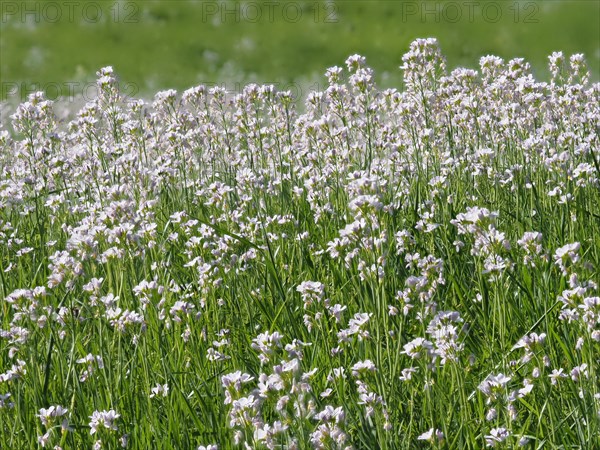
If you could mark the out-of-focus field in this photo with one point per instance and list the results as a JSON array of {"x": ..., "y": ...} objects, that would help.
[{"x": 58, "y": 46}]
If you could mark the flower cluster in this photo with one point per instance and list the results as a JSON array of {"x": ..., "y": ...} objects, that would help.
[{"x": 377, "y": 268}]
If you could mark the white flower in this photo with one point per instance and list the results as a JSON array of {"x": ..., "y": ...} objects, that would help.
[
  {"x": 556, "y": 375},
  {"x": 311, "y": 291},
  {"x": 496, "y": 436},
  {"x": 47, "y": 416},
  {"x": 326, "y": 393},
  {"x": 566, "y": 254},
  {"x": 160, "y": 390},
  {"x": 362, "y": 367},
  {"x": 431, "y": 435},
  {"x": 407, "y": 374},
  {"x": 105, "y": 419},
  {"x": 43, "y": 440},
  {"x": 417, "y": 348},
  {"x": 494, "y": 385}
]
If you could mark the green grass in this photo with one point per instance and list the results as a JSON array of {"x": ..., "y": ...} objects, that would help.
[{"x": 178, "y": 44}]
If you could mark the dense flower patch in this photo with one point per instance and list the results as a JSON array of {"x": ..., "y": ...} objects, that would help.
[{"x": 389, "y": 269}]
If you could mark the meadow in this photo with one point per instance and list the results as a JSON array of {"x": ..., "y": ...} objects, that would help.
[{"x": 386, "y": 268}]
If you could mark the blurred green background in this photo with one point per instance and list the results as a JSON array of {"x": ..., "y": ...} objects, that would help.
[{"x": 59, "y": 45}]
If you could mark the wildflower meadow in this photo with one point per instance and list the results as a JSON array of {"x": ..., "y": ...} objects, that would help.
[{"x": 373, "y": 269}]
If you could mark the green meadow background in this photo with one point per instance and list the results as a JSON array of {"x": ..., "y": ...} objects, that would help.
[{"x": 152, "y": 45}]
